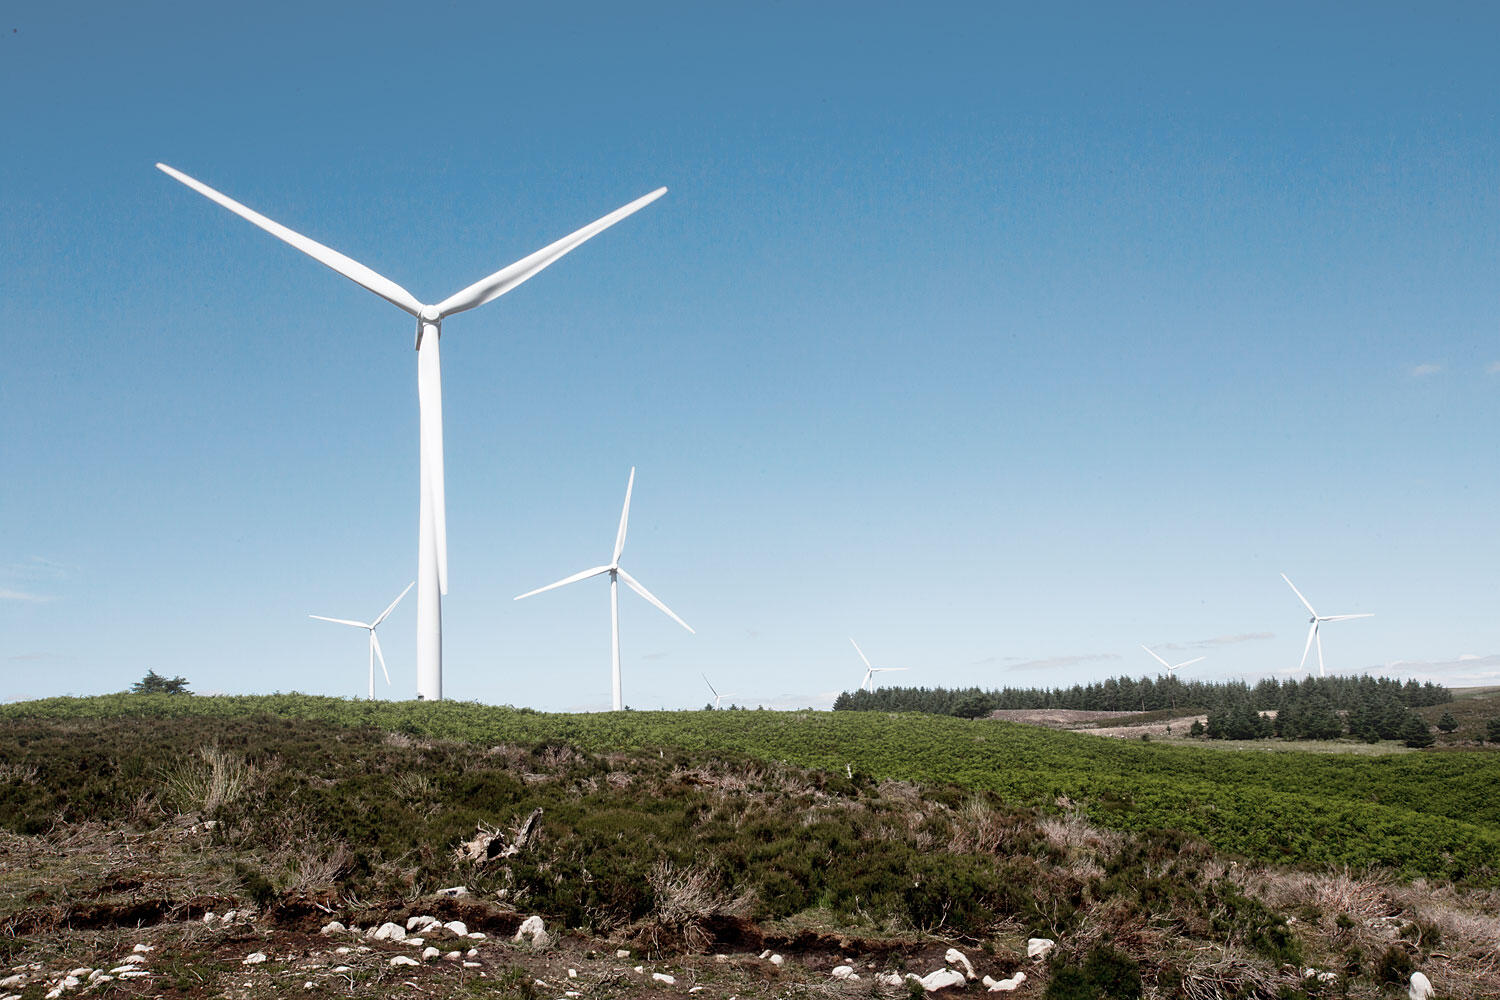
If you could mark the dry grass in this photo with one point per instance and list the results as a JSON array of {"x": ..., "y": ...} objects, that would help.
[
  {"x": 217, "y": 778},
  {"x": 684, "y": 901}
]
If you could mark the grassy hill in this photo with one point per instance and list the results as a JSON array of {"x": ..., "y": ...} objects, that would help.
[{"x": 825, "y": 834}]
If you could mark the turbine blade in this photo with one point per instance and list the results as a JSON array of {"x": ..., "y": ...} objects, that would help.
[
  {"x": 340, "y": 621},
  {"x": 881, "y": 670},
  {"x": 1310, "y": 633},
  {"x": 384, "y": 614},
  {"x": 635, "y": 585},
  {"x": 328, "y": 257},
  {"x": 624, "y": 519},
  {"x": 861, "y": 652},
  {"x": 430, "y": 418},
  {"x": 869, "y": 672},
  {"x": 1309, "y": 607},
  {"x": 565, "y": 581},
  {"x": 503, "y": 280},
  {"x": 1158, "y": 659},
  {"x": 1189, "y": 663},
  {"x": 709, "y": 683},
  {"x": 375, "y": 645},
  {"x": 1344, "y": 618}
]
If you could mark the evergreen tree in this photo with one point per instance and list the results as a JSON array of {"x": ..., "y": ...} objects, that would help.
[
  {"x": 1414, "y": 732},
  {"x": 1447, "y": 723},
  {"x": 154, "y": 683},
  {"x": 1492, "y": 730}
]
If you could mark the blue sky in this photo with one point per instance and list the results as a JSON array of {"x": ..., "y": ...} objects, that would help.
[{"x": 1003, "y": 339}]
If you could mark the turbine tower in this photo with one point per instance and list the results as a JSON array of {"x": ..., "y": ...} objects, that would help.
[
  {"x": 869, "y": 679},
  {"x": 374, "y": 641},
  {"x": 1316, "y": 620},
  {"x": 432, "y": 517},
  {"x": 616, "y": 574}
]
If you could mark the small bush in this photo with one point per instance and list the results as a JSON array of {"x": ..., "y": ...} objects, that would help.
[{"x": 1395, "y": 965}]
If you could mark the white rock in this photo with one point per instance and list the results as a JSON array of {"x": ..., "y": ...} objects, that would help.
[
  {"x": 133, "y": 960},
  {"x": 472, "y": 953},
  {"x": 80, "y": 972},
  {"x": 572, "y": 973},
  {"x": 530, "y": 927},
  {"x": 625, "y": 953},
  {"x": 10, "y": 996},
  {"x": 70, "y": 981},
  {"x": 471, "y": 965},
  {"x": 695, "y": 989},
  {"x": 254, "y": 958},
  {"x": 662, "y": 977},
  {"x": 421, "y": 923},
  {"x": 476, "y": 935},
  {"x": 1421, "y": 987},
  {"x": 54, "y": 993},
  {"x": 229, "y": 917},
  {"x": 404, "y": 960},
  {"x": 1004, "y": 985},
  {"x": 104, "y": 977},
  {"x": 1327, "y": 977},
  {"x": 939, "y": 980},
  {"x": 453, "y": 956},
  {"x": 843, "y": 972},
  {"x": 341, "y": 968},
  {"x": 389, "y": 932},
  {"x": 960, "y": 961},
  {"x": 332, "y": 927},
  {"x": 429, "y": 953},
  {"x": 122, "y": 969},
  {"x": 457, "y": 927},
  {"x": 17, "y": 980},
  {"x": 415, "y": 942},
  {"x": 342, "y": 950},
  {"x": 144, "y": 948},
  {"x": 1039, "y": 947},
  {"x": 764, "y": 954},
  {"x": 457, "y": 890},
  {"x": 640, "y": 970},
  {"x": 777, "y": 960}
]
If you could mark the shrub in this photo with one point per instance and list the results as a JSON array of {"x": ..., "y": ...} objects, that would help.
[
  {"x": 1395, "y": 965},
  {"x": 1447, "y": 723},
  {"x": 1492, "y": 730}
]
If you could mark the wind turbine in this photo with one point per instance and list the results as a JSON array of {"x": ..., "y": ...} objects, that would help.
[
  {"x": 1170, "y": 667},
  {"x": 717, "y": 696},
  {"x": 1316, "y": 620},
  {"x": 374, "y": 640},
  {"x": 616, "y": 574},
  {"x": 432, "y": 517},
  {"x": 869, "y": 680}
]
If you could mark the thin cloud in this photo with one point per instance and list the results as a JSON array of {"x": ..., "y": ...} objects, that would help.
[
  {"x": 791, "y": 702},
  {"x": 23, "y": 596},
  {"x": 1219, "y": 640},
  {"x": 1425, "y": 369},
  {"x": 39, "y": 568},
  {"x": 1054, "y": 662},
  {"x": 1469, "y": 670},
  {"x": 1493, "y": 368}
]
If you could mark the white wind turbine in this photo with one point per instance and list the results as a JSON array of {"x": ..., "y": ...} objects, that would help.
[
  {"x": 374, "y": 640},
  {"x": 1171, "y": 668},
  {"x": 616, "y": 574},
  {"x": 1317, "y": 620},
  {"x": 869, "y": 680},
  {"x": 432, "y": 518},
  {"x": 717, "y": 696}
]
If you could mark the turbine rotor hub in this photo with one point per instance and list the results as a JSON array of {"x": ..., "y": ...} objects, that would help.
[{"x": 430, "y": 314}]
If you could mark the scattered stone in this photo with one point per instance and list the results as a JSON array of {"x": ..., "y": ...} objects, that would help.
[
  {"x": 457, "y": 927},
  {"x": 80, "y": 972},
  {"x": 1004, "y": 985},
  {"x": 210, "y": 918},
  {"x": 939, "y": 980},
  {"x": 133, "y": 960},
  {"x": 1421, "y": 987},
  {"x": 533, "y": 927},
  {"x": 122, "y": 969},
  {"x": 453, "y": 956},
  {"x": 777, "y": 960},
  {"x": 844, "y": 972},
  {"x": 1038, "y": 948},
  {"x": 229, "y": 917},
  {"x": 476, "y": 935},
  {"x": 420, "y": 924},
  {"x": 764, "y": 955},
  {"x": 889, "y": 979},
  {"x": 254, "y": 958},
  {"x": 472, "y": 953},
  {"x": 429, "y": 953},
  {"x": 662, "y": 977},
  {"x": 640, "y": 970},
  {"x": 341, "y": 968},
  {"x": 404, "y": 960},
  {"x": 471, "y": 965},
  {"x": 17, "y": 980},
  {"x": 332, "y": 927},
  {"x": 388, "y": 932},
  {"x": 134, "y": 974},
  {"x": 342, "y": 950},
  {"x": 454, "y": 891},
  {"x": 307, "y": 985},
  {"x": 695, "y": 989},
  {"x": 572, "y": 973},
  {"x": 144, "y": 948},
  {"x": 960, "y": 961},
  {"x": 415, "y": 942}
]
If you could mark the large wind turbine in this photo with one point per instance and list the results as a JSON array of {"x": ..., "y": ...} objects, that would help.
[
  {"x": 1171, "y": 667},
  {"x": 616, "y": 574},
  {"x": 870, "y": 672},
  {"x": 432, "y": 518},
  {"x": 1316, "y": 620},
  {"x": 374, "y": 640},
  {"x": 717, "y": 696}
]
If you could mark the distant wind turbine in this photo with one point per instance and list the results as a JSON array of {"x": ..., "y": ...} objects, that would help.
[
  {"x": 717, "y": 696},
  {"x": 374, "y": 640},
  {"x": 432, "y": 516},
  {"x": 616, "y": 574},
  {"x": 1170, "y": 667},
  {"x": 1317, "y": 620},
  {"x": 869, "y": 680}
]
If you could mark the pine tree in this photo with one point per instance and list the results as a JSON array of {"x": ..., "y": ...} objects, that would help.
[
  {"x": 1414, "y": 732},
  {"x": 1447, "y": 723}
]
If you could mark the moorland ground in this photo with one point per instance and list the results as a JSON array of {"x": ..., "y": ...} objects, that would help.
[{"x": 696, "y": 841}]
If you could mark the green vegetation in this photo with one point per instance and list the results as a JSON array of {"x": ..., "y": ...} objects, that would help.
[
  {"x": 154, "y": 683},
  {"x": 1417, "y": 814},
  {"x": 1153, "y": 694}
]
